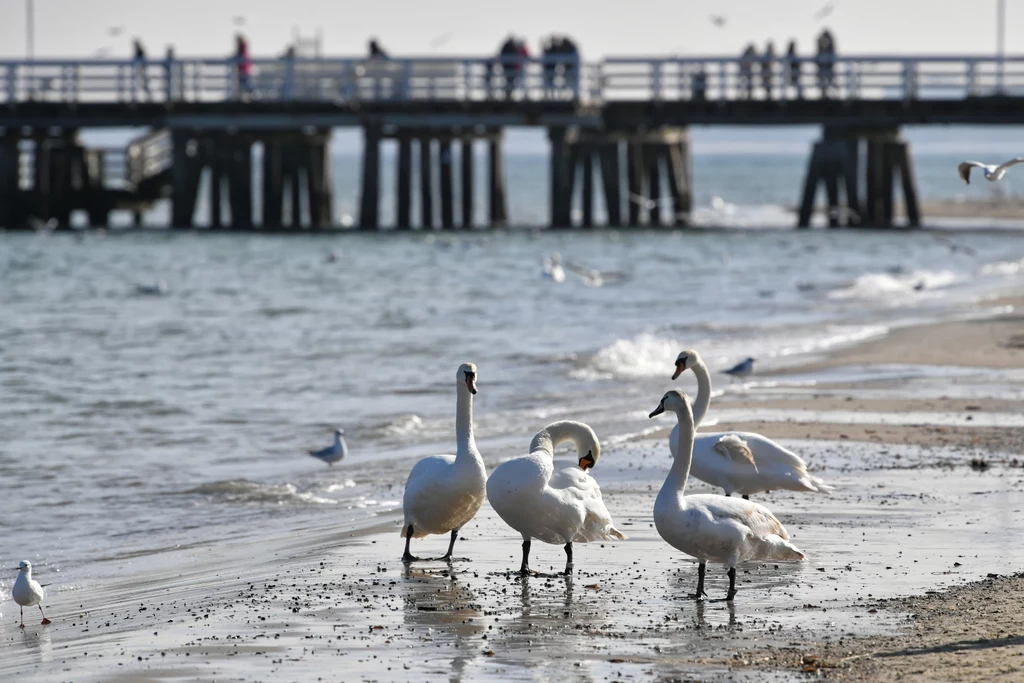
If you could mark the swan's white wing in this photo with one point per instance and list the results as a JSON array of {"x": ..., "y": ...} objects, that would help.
[
  {"x": 965, "y": 169},
  {"x": 756, "y": 518},
  {"x": 736, "y": 449},
  {"x": 1008, "y": 164},
  {"x": 582, "y": 488}
]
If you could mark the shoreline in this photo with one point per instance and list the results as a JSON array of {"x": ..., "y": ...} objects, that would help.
[{"x": 337, "y": 604}]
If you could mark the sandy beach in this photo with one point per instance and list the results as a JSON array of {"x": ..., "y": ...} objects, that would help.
[{"x": 897, "y": 585}]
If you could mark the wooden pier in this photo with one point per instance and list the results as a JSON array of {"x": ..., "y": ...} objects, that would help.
[{"x": 619, "y": 133}]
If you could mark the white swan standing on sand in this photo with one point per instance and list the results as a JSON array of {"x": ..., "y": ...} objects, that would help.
[
  {"x": 739, "y": 462},
  {"x": 443, "y": 492},
  {"x": 991, "y": 171},
  {"x": 27, "y": 592},
  {"x": 709, "y": 527},
  {"x": 560, "y": 507}
]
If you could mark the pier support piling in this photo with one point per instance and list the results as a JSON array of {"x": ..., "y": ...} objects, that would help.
[
  {"x": 369, "y": 198},
  {"x": 835, "y": 162},
  {"x": 466, "y": 176}
]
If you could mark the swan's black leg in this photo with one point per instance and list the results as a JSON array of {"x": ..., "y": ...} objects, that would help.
[
  {"x": 746, "y": 497},
  {"x": 727, "y": 495},
  {"x": 451, "y": 545},
  {"x": 568, "y": 559},
  {"x": 407, "y": 557},
  {"x": 700, "y": 594},
  {"x": 524, "y": 568},
  {"x": 732, "y": 584}
]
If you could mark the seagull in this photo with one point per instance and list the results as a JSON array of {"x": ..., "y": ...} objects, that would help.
[
  {"x": 158, "y": 288},
  {"x": 741, "y": 369},
  {"x": 824, "y": 11},
  {"x": 992, "y": 172},
  {"x": 553, "y": 268},
  {"x": 335, "y": 452},
  {"x": 592, "y": 277},
  {"x": 718, "y": 20},
  {"x": 28, "y": 592}
]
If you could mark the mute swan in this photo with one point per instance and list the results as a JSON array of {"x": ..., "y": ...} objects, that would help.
[
  {"x": 335, "y": 452},
  {"x": 28, "y": 592},
  {"x": 741, "y": 370},
  {"x": 443, "y": 492},
  {"x": 991, "y": 171},
  {"x": 554, "y": 507},
  {"x": 711, "y": 527},
  {"x": 739, "y": 462}
]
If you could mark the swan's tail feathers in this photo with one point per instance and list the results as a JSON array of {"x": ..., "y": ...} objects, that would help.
[
  {"x": 616, "y": 534},
  {"x": 596, "y": 529}
]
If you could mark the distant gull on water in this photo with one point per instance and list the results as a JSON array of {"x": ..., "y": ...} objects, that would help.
[
  {"x": 741, "y": 369},
  {"x": 553, "y": 268},
  {"x": 992, "y": 172},
  {"x": 156, "y": 289},
  {"x": 336, "y": 452}
]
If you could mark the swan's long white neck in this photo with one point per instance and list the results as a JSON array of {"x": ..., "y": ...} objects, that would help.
[
  {"x": 680, "y": 472},
  {"x": 465, "y": 443},
  {"x": 703, "y": 400},
  {"x": 558, "y": 432}
]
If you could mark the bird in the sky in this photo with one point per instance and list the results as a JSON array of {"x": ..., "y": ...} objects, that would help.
[
  {"x": 718, "y": 20},
  {"x": 824, "y": 11},
  {"x": 992, "y": 172}
]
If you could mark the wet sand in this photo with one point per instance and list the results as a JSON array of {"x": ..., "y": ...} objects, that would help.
[{"x": 915, "y": 510}]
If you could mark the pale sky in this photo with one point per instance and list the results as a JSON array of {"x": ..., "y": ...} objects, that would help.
[{"x": 79, "y": 28}]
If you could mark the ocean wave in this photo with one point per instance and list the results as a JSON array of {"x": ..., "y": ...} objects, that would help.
[
  {"x": 897, "y": 284},
  {"x": 1002, "y": 268},
  {"x": 251, "y": 492},
  {"x": 653, "y": 355}
]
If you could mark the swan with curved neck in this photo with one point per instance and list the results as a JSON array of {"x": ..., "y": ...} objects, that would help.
[
  {"x": 710, "y": 527},
  {"x": 559, "y": 507},
  {"x": 443, "y": 492},
  {"x": 739, "y": 462}
]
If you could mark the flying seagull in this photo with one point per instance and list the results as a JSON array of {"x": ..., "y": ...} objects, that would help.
[
  {"x": 824, "y": 11},
  {"x": 741, "y": 369},
  {"x": 336, "y": 452},
  {"x": 718, "y": 20},
  {"x": 992, "y": 172}
]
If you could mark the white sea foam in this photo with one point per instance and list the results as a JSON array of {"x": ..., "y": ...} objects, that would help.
[
  {"x": 896, "y": 287},
  {"x": 653, "y": 354},
  {"x": 1002, "y": 268},
  {"x": 245, "y": 491}
]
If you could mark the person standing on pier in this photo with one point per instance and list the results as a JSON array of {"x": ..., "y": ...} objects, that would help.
[
  {"x": 376, "y": 51},
  {"x": 826, "y": 61},
  {"x": 571, "y": 66},
  {"x": 244, "y": 66},
  {"x": 768, "y": 69},
  {"x": 747, "y": 61},
  {"x": 139, "y": 66},
  {"x": 792, "y": 62},
  {"x": 507, "y": 59}
]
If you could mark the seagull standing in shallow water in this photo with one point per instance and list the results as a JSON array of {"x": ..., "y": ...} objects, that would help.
[
  {"x": 336, "y": 452},
  {"x": 27, "y": 591},
  {"x": 992, "y": 172},
  {"x": 741, "y": 370}
]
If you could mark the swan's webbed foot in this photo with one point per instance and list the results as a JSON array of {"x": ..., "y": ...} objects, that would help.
[
  {"x": 746, "y": 497},
  {"x": 699, "y": 597},
  {"x": 409, "y": 557}
]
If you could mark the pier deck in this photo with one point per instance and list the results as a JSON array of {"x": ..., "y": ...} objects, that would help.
[{"x": 624, "y": 118}]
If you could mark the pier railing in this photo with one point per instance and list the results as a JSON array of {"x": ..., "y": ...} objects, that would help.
[{"x": 553, "y": 78}]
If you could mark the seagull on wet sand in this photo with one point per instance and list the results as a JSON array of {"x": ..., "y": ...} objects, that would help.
[
  {"x": 741, "y": 370},
  {"x": 992, "y": 172},
  {"x": 336, "y": 452},
  {"x": 27, "y": 591}
]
